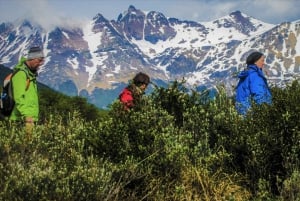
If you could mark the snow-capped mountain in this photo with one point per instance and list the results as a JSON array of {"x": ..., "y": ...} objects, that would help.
[{"x": 97, "y": 59}]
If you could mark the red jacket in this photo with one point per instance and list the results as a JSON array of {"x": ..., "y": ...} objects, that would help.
[{"x": 126, "y": 98}]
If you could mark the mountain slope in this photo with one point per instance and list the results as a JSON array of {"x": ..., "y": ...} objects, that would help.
[{"x": 97, "y": 59}]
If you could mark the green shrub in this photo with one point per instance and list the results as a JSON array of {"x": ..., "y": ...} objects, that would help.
[{"x": 177, "y": 145}]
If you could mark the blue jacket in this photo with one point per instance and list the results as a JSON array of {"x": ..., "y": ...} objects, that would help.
[{"x": 252, "y": 86}]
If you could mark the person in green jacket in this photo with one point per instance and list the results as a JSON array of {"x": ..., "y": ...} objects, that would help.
[{"x": 25, "y": 93}]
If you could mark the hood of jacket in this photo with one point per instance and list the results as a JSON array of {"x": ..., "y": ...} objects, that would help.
[
  {"x": 251, "y": 68},
  {"x": 22, "y": 66}
]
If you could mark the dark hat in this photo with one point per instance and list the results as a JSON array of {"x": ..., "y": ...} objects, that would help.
[
  {"x": 253, "y": 57},
  {"x": 141, "y": 78},
  {"x": 35, "y": 52}
]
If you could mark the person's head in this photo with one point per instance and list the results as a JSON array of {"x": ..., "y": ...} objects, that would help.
[
  {"x": 141, "y": 80},
  {"x": 35, "y": 58},
  {"x": 256, "y": 58}
]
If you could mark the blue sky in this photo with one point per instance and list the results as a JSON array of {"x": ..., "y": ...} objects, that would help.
[{"x": 53, "y": 12}]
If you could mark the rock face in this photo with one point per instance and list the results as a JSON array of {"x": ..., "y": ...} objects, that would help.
[{"x": 97, "y": 59}]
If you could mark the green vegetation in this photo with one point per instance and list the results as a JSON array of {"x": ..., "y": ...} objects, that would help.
[{"x": 178, "y": 144}]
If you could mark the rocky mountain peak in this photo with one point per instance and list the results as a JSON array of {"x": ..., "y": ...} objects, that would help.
[{"x": 97, "y": 60}]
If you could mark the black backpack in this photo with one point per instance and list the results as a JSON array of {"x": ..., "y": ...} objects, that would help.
[{"x": 6, "y": 100}]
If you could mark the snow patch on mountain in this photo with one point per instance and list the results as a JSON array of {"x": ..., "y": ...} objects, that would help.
[
  {"x": 93, "y": 40},
  {"x": 222, "y": 34}
]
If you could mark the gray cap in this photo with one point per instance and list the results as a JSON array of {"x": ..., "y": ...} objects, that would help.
[{"x": 35, "y": 52}]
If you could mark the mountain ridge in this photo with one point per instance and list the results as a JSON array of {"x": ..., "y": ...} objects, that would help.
[{"x": 100, "y": 57}]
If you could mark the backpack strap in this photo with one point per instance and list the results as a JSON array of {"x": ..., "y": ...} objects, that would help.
[{"x": 27, "y": 84}]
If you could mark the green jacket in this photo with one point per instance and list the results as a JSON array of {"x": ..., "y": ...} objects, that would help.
[{"x": 26, "y": 101}]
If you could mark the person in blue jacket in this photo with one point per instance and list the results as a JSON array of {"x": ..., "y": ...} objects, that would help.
[{"x": 252, "y": 85}]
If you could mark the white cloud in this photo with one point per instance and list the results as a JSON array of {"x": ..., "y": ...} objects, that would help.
[
  {"x": 41, "y": 12},
  {"x": 279, "y": 10},
  {"x": 271, "y": 11},
  {"x": 60, "y": 12}
]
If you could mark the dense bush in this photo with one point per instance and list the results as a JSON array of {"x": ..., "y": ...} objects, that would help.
[{"x": 179, "y": 144}]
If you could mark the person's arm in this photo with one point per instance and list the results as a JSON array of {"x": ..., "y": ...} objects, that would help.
[
  {"x": 19, "y": 89},
  {"x": 257, "y": 88},
  {"x": 19, "y": 81}
]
